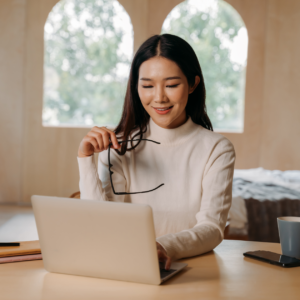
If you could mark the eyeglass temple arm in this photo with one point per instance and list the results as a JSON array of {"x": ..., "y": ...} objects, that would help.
[
  {"x": 138, "y": 140},
  {"x": 116, "y": 193},
  {"x": 110, "y": 172}
]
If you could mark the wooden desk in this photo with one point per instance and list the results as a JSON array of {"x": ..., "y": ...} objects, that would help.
[{"x": 221, "y": 274}]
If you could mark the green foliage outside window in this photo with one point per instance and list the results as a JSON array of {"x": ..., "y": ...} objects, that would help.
[
  {"x": 211, "y": 29},
  {"x": 88, "y": 51},
  {"x": 89, "y": 48}
]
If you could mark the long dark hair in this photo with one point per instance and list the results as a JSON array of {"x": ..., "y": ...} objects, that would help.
[{"x": 172, "y": 47}]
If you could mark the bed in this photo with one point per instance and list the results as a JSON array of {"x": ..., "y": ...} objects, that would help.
[{"x": 259, "y": 197}]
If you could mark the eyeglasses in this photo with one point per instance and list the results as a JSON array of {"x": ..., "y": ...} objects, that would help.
[{"x": 111, "y": 172}]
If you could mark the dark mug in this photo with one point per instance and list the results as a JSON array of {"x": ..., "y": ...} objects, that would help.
[{"x": 289, "y": 234}]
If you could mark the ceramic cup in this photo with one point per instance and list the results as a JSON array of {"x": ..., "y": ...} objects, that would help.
[{"x": 289, "y": 233}]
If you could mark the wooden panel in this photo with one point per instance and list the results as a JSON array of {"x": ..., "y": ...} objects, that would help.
[
  {"x": 165, "y": 7},
  {"x": 12, "y": 35},
  {"x": 280, "y": 148},
  {"x": 138, "y": 12}
]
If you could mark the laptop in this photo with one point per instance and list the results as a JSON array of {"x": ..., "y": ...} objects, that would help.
[{"x": 99, "y": 239}]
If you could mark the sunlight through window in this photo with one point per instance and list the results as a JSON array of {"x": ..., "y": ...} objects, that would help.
[
  {"x": 219, "y": 37},
  {"x": 88, "y": 51}
]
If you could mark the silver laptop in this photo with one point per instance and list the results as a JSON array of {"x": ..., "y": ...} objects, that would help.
[{"x": 99, "y": 239}]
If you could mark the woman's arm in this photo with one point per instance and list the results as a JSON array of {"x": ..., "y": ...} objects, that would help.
[
  {"x": 93, "y": 184},
  {"x": 215, "y": 204}
]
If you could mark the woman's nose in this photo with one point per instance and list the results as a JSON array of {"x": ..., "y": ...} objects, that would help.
[{"x": 160, "y": 95}]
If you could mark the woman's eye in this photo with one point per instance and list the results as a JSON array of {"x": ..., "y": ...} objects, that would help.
[
  {"x": 147, "y": 86},
  {"x": 173, "y": 86}
]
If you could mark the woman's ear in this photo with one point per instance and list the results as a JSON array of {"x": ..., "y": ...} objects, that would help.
[{"x": 197, "y": 81}]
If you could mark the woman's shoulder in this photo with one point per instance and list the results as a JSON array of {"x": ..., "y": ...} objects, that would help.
[{"x": 212, "y": 139}]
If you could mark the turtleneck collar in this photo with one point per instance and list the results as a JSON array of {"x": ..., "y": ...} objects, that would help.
[{"x": 173, "y": 136}]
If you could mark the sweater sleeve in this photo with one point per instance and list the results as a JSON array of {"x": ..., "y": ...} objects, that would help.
[
  {"x": 95, "y": 184},
  {"x": 215, "y": 204}
]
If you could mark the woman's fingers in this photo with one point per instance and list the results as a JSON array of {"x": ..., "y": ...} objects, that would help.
[
  {"x": 114, "y": 140},
  {"x": 162, "y": 256},
  {"x": 108, "y": 137},
  {"x": 93, "y": 142},
  {"x": 168, "y": 263},
  {"x": 97, "y": 140},
  {"x": 105, "y": 137}
]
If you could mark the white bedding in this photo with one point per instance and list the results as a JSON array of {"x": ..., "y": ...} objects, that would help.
[
  {"x": 238, "y": 213},
  {"x": 287, "y": 179}
]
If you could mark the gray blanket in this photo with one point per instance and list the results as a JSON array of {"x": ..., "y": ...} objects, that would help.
[{"x": 262, "y": 191}]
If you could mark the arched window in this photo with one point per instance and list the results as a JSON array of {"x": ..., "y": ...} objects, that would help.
[
  {"x": 88, "y": 51},
  {"x": 219, "y": 37}
]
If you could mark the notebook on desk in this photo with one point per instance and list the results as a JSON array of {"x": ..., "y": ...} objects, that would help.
[
  {"x": 99, "y": 239},
  {"x": 25, "y": 248},
  {"x": 26, "y": 251}
]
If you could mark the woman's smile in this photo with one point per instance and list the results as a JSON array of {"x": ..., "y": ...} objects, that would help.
[{"x": 163, "y": 110}]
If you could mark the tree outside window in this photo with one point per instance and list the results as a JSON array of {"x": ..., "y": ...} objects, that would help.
[
  {"x": 89, "y": 48},
  {"x": 88, "y": 51},
  {"x": 219, "y": 37}
]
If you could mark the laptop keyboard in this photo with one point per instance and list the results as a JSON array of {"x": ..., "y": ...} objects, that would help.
[{"x": 164, "y": 273}]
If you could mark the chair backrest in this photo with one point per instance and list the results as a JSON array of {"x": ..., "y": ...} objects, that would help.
[{"x": 75, "y": 195}]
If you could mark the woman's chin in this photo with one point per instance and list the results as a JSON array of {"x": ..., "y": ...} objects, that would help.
[
  {"x": 165, "y": 121},
  {"x": 169, "y": 120}
]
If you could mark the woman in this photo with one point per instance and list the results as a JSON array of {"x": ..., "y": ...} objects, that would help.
[{"x": 186, "y": 173}]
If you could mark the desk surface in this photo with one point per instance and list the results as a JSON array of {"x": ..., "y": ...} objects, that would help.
[{"x": 220, "y": 274}]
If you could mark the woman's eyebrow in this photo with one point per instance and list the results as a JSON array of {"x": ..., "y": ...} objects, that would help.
[{"x": 168, "y": 78}]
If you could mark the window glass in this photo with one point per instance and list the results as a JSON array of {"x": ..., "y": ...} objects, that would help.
[
  {"x": 88, "y": 51},
  {"x": 219, "y": 37}
]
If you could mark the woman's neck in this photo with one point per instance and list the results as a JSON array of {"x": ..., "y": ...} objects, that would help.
[{"x": 172, "y": 136}]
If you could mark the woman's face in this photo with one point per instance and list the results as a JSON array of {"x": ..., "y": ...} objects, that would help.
[{"x": 164, "y": 91}]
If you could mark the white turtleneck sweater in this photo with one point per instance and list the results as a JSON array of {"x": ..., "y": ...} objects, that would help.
[{"x": 196, "y": 166}]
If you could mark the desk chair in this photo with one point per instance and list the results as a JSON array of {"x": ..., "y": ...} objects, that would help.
[{"x": 75, "y": 195}]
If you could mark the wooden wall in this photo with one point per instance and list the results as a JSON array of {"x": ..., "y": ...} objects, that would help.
[{"x": 40, "y": 160}]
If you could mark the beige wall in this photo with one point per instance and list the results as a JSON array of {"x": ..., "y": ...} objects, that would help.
[
  {"x": 39, "y": 160},
  {"x": 12, "y": 38},
  {"x": 271, "y": 137},
  {"x": 280, "y": 139}
]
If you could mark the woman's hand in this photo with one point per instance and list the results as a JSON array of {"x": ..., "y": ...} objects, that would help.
[
  {"x": 162, "y": 256},
  {"x": 97, "y": 140}
]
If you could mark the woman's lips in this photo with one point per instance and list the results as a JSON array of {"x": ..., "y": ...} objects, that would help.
[{"x": 163, "y": 112}]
